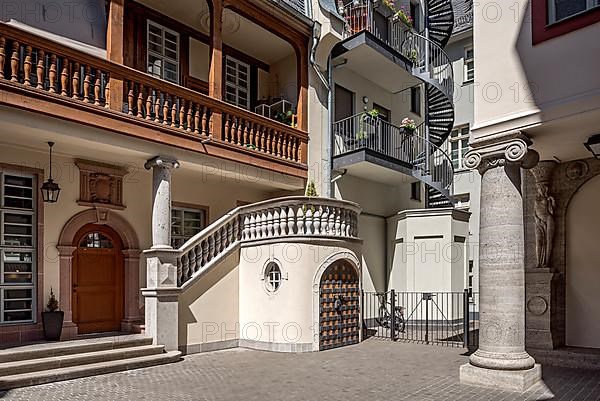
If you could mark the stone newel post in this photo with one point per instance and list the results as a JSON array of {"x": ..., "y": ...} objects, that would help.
[
  {"x": 501, "y": 360},
  {"x": 161, "y": 292}
]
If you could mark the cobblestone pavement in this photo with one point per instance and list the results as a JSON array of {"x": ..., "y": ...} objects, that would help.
[{"x": 373, "y": 370}]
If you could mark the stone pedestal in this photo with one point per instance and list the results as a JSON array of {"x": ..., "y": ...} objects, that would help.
[
  {"x": 501, "y": 360},
  {"x": 541, "y": 303}
]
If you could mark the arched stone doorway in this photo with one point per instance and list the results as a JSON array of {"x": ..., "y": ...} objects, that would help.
[
  {"x": 123, "y": 236},
  {"x": 339, "y": 305},
  {"x": 583, "y": 267}
]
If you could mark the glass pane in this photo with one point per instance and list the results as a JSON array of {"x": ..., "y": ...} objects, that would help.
[
  {"x": 96, "y": 240},
  {"x": 17, "y": 316},
  {"x": 18, "y": 181},
  {"x": 155, "y": 29},
  {"x": 23, "y": 293},
  {"x": 170, "y": 37},
  {"x": 469, "y": 54},
  {"x": 18, "y": 203},
  {"x": 17, "y": 305},
  {"x": 566, "y": 8}
]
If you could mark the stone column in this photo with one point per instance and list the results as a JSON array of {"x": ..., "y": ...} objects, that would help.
[
  {"x": 161, "y": 200},
  {"x": 501, "y": 360},
  {"x": 65, "y": 254},
  {"x": 161, "y": 292},
  {"x": 542, "y": 282}
]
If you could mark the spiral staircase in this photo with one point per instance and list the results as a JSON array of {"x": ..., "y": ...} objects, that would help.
[{"x": 424, "y": 150}]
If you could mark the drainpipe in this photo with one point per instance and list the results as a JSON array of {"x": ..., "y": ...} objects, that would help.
[{"x": 328, "y": 83}]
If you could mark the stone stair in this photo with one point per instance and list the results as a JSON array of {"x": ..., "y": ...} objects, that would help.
[{"x": 49, "y": 362}]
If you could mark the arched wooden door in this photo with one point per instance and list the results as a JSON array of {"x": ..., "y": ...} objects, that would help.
[
  {"x": 98, "y": 274},
  {"x": 339, "y": 320}
]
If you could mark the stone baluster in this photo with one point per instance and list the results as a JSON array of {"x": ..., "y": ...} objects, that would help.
[
  {"x": 270, "y": 228},
  {"x": 246, "y": 229},
  {"x": 308, "y": 226},
  {"x": 283, "y": 221},
  {"x": 345, "y": 226},
  {"x": 291, "y": 223},
  {"x": 217, "y": 236},
  {"x": 27, "y": 66},
  {"x": 300, "y": 220},
  {"x": 338, "y": 222},
  {"x": 191, "y": 265},
  {"x": 181, "y": 266},
  {"x": 317, "y": 219},
  {"x": 75, "y": 81},
  {"x": 252, "y": 225},
  {"x": 331, "y": 222},
  {"x": 98, "y": 85},
  {"x": 276, "y": 221},
  {"x": 64, "y": 78},
  {"x": 198, "y": 259},
  {"x": 230, "y": 231},
  {"x": 14, "y": 62},
  {"x": 40, "y": 68},
  {"x": 204, "y": 252},
  {"x": 52, "y": 74},
  {"x": 211, "y": 247}
]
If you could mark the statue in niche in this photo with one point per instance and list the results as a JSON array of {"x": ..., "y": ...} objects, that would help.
[{"x": 544, "y": 224}]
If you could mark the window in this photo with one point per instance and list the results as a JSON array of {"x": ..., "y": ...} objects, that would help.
[
  {"x": 458, "y": 145},
  {"x": 415, "y": 191},
  {"x": 237, "y": 82},
  {"x": 415, "y": 100},
  {"x": 415, "y": 13},
  {"x": 273, "y": 277},
  {"x": 163, "y": 52},
  {"x": 185, "y": 223},
  {"x": 469, "y": 61},
  {"x": 559, "y": 10},
  {"x": 17, "y": 247},
  {"x": 384, "y": 113},
  {"x": 96, "y": 240}
]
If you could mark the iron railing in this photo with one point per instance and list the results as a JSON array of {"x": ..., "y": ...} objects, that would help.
[
  {"x": 430, "y": 62},
  {"x": 363, "y": 15},
  {"x": 441, "y": 318},
  {"x": 363, "y": 131}
]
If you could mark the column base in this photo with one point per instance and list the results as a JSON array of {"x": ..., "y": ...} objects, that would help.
[{"x": 511, "y": 380}]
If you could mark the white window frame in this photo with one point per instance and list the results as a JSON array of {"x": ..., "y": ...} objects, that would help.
[
  {"x": 183, "y": 209},
  {"x": 459, "y": 138},
  {"x": 236, "y": 86},
  {"x": 19, "y": 248},
  {"x": 162, "y": 56},
  {"x": 467, "y": 62},
  {"x": 552, "y": 10},
  {"x": 273, "y": 283}
]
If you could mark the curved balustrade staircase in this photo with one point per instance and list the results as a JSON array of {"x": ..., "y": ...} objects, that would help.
[{"x": 440, "y": 18}]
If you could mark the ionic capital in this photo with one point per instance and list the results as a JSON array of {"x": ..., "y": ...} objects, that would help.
[
  {"x": 163, "y": 162},
  {"x": 513, "y": 149}
]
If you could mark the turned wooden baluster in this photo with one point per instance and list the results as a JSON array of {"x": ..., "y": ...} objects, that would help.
[
  {"x": 228, "y": 136},
  {"x": 27, "y": 66},
  {"x": 157, "y": 107},
  {"x": 129, "y": 98},
  {"x": 64, "y": 78},
  {"x": 87, "y": 80},
  {"x": 251, "y": 133},
  {"x": 279, "y": 144},
  {"x": 189, "y": 117},
  {"x": 14, "y": 62},
  {"x": 149, "y": 104},
  {"x": 52, "y": 74},
  {"x": 75, "y": 81},
  {"x": 140, "y": 101},
  {"x": 205, "y": 121},
  {"x": 107, "y": 93},
  {"x": 40, "y": 69},
  {"x": 174, "y": 113},
  {"x": 234, "y": 130},
  {"x": 166, "y": 109},
  {"x": 197, "y": 112},
  {"x": 97, "y": 87},
  {"x": 263, "y": 138},
  {"x": 182, "y": 114},
  {"x": 2, "y": 55}
]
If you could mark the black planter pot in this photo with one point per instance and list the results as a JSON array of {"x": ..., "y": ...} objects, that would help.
[
  {"x": 52, "y": 322},
  {"x": 407, "y": 131}
]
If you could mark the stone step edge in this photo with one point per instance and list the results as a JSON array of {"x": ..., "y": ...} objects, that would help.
[
  {"x": 75, "y": 372},
  {"x": 63, "y": 361},
  {"x": 72, "y": 347}
]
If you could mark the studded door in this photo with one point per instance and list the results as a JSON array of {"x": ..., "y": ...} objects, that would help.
[{"x": 339, "y": 322}]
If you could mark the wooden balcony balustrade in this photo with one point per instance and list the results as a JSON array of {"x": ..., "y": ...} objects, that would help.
[{"x": 40, "y": 65}]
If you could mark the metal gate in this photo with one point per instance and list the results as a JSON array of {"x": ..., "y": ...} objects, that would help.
[
  {"x": 339, "y": 309},
  {"x": 443, "y": 318}
]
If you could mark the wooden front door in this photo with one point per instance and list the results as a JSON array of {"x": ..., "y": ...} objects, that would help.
[
  {"x": 339, "y": 322},
  {"x": 98, "y": 273}
]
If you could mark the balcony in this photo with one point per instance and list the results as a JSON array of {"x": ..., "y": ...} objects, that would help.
[
  {"x": 44, "y": 76},
  {"x": 371, "y": 147}
]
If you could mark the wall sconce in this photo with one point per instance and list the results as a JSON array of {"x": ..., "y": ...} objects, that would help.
[
  {"x": 593, "y": 145},
  {"x": 50, "y": 189}
]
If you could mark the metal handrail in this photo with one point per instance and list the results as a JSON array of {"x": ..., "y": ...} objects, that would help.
[
  {"x": 431, "y": 61},
  {"x": 427, "y": 160}
]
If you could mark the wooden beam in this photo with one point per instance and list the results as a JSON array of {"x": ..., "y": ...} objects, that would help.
[
  {"x": 302, "y": 70},
  {"x": 114, "y": 31},
  {"x": 215, "y": 75}
]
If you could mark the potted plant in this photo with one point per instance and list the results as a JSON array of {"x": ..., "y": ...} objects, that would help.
[
  {"x": 404, "y": 17},
  {"x": 52, "y": 319},
  {"x": 413, "y": 55},
  {"x": 408, "y": 126},
  {"x": 368, "y": 118}
]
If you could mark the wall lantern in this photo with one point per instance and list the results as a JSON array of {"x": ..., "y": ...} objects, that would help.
[
  {"x": 50, "y": 189},
  {"x": 593, "y": 145}
]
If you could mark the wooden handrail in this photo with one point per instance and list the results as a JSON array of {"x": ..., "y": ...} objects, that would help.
[{"x": 38, "y": 62}]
